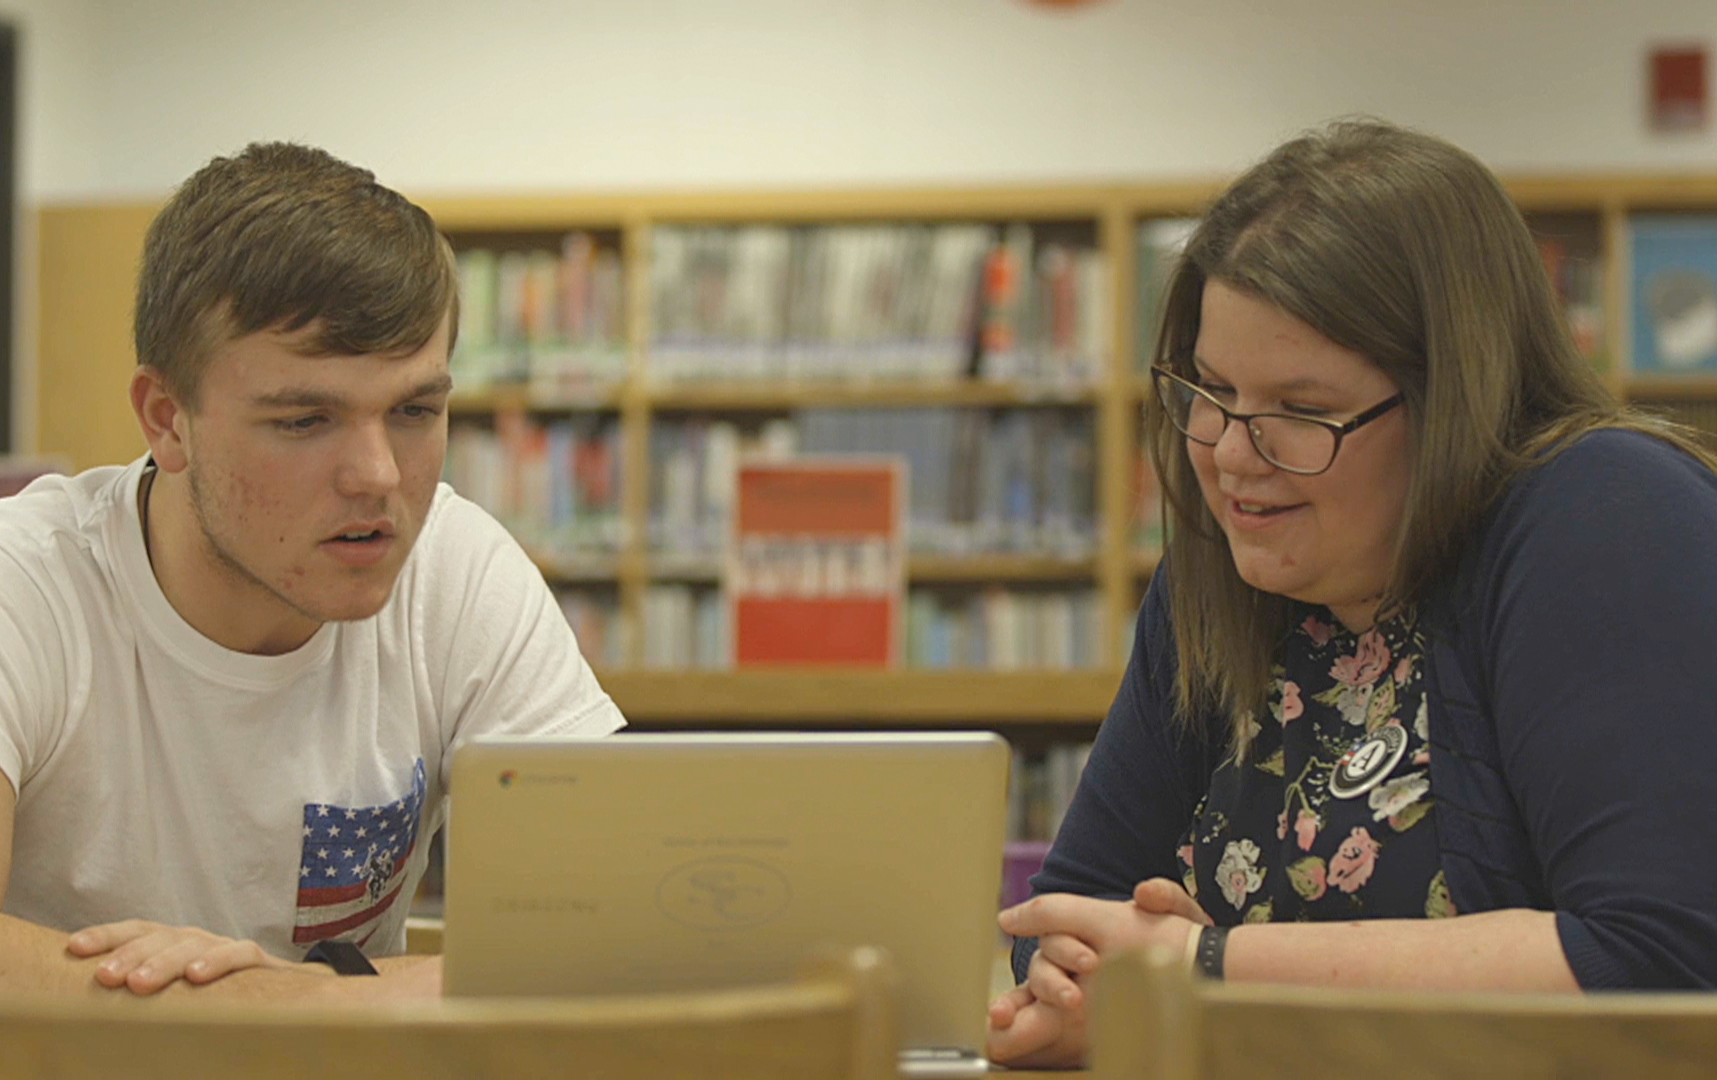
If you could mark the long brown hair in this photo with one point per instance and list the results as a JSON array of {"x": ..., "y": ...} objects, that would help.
[{"x": 1407, "y": 250}]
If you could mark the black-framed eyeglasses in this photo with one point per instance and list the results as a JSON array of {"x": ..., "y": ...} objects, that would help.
[{"x": 1305, "y": 445}]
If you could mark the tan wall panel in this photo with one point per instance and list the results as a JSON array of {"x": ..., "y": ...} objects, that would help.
[{"x": 86, "y": 275}]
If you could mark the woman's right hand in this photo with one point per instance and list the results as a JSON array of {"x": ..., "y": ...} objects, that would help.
[
  {"x": 1042, "y": 1023},
  {"x": 1029, "y": 1031}
]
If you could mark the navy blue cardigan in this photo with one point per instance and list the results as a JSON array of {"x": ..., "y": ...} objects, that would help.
[{"x": 1572, "y": 683}]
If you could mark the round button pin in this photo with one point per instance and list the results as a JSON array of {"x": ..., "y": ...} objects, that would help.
[{"x": 1371, "y": 759}]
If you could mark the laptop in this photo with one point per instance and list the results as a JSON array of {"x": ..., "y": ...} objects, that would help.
[{"x": 637, "y": 863}]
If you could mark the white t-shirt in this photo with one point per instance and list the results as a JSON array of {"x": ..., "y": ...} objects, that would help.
[{"x": 283, "y": 799}]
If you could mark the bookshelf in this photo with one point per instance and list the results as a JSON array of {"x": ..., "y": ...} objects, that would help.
[{"x": 87, "y": 253}]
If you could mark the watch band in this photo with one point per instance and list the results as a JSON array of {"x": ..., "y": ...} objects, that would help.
[
  {"x": 344, "y": 957},
  {"x": 1207, "y": 958}
]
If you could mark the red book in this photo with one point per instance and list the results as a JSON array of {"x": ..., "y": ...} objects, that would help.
[{"x": 816, "y": 566}]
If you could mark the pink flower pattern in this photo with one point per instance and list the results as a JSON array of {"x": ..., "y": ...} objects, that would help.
[
  {"x": 1324, "y": 859},
  {"x": 1319, "y": 632},
  {"x": 1363, "y": 668},
  {"x": 1305, "y": 829},
  {"x": 1354, "y": 861}
]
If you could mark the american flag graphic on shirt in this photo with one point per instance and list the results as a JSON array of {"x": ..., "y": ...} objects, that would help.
[{"x": 354, "y": 862}]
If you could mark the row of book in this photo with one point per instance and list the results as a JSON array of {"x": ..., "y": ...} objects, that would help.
[
  {"x": 1158, "y": 246},
  {"x": 688, "y": 627},
  {"x": 999, "y": 629},
  {"x": 1577, "y": 277},
  {"x": 859, "y": 302},
  {"x": 1017, "y": 481},
  {"x": 552, "y": 318},
  {"x": 1147, "y": 503},
  {"x": 1040, "y": 788},
  {"x": 604, "y": 635},
  {"x": 978, "y": 480},
  {"x": 938, "y": 302},
  {"x": 554, "y": 485}
]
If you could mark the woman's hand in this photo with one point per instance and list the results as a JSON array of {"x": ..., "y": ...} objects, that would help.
[
  {"x": 1027, "y": 1032},
  {"x": 1043, "y": 1022},
  {"x": 1162, "y": 896},
  {"x": 1108, "y": 926},
  {"x": 148, "y": 956}
]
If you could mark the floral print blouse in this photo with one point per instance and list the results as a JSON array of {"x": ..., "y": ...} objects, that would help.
[{"x": 1270, "y": 841}]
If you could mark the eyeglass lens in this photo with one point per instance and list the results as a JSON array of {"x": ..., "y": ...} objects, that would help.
[{"x": 1285, "y": 441}]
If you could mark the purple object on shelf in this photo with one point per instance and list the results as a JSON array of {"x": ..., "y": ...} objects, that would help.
[{"x": 1020, "y": 860}]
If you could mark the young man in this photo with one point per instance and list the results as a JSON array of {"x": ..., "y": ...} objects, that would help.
[{"x": 232, "y": 673}]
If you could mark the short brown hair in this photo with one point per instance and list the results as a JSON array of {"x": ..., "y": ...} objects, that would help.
[
  {"x": 281, "y": 237},
  {"x": 1407, "y": 250}
]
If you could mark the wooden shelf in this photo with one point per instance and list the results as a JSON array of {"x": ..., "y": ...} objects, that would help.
[
  {"x": 1635, "y": 191},
  {"x": 905, "y": 698},
  {"x": 998, "y": 568},
  {"x": 776, "y": 397},
  {"x": 1670, "y": 387},
  {"x": 524, "y": 399},
  {"x": 781, "y": 397},
  {"x": 601, "y": 210},
  {"x": 697, "y": 568},
  {"x": 590, "y": 569},
  {"x": 928, "y": 569}
]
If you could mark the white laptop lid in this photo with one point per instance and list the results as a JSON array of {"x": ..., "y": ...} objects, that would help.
[{"x": 650, "y": 862}]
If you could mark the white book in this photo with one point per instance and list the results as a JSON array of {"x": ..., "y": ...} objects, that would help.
[
  {"x": 680, "y": 490},
  {"x": 1095, "y": 317},
  {"x": 668, "y": 327},
  {"x": 720, "y": 466},
  {"x": 1057, "y": 637}
]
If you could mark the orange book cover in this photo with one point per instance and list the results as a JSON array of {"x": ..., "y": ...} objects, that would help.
[{"x": 816, "y": 566}]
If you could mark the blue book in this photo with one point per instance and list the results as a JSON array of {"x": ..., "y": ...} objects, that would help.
[{"x": 1674, "y": 293}]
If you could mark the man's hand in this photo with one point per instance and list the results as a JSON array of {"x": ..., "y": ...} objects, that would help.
[{"x": 146, "y": 956}]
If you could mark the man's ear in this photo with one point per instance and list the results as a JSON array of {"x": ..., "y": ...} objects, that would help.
[{"x": 165, "y": 422}]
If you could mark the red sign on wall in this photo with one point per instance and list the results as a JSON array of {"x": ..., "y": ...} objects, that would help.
[
  {"x": 816, "y": 568},
  {"x": 1678, "y": 88}
]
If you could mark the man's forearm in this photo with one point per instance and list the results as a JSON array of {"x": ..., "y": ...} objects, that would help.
[
  {"x": 35, "y": 960},
  {"x": 401, "y": 978},
  {"x": 1495, "y": 950}
]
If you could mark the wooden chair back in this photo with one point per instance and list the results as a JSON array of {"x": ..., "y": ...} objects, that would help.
[
  {"x": 836, "y": 1022},
  {"x": 1152, "y": 1018}
]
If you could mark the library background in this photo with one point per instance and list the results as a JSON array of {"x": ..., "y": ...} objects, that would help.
[{"x": 622, "y": 354}]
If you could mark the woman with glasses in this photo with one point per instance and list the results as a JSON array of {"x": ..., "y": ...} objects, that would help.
[{"x": 1422, "y": 695}]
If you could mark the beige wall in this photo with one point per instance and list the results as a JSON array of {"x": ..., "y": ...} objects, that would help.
[
  {"x": 452, "y": 95},
  {"x": 86, "y": 270}
]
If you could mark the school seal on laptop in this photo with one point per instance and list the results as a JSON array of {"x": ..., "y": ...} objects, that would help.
[{"x": 723, "y": 892}]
